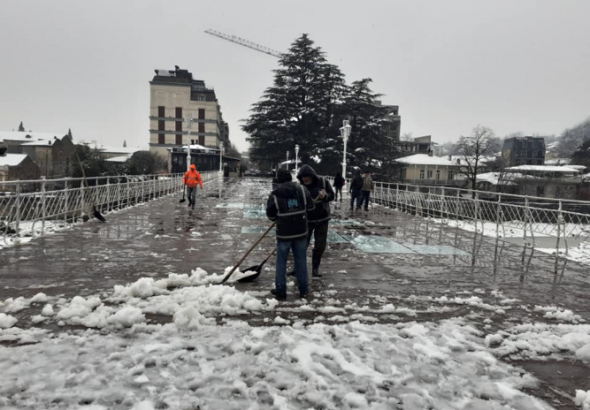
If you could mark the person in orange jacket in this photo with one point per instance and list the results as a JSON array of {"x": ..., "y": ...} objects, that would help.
[{"x": 192, "y": 178}]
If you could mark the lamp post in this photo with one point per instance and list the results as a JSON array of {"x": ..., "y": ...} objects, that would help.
[
  {"x": 296, "y": 159},
  {"x": 221, "y": 159},
  {"x": 189, "y": 121},
  {"x": 345, "y": 133},
  {"x": 287, "y": 160}
]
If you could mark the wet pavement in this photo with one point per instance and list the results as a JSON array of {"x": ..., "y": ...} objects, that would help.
[{"x": 372, "y": 257}]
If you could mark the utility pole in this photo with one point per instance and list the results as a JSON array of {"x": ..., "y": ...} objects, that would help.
[
  {"x": 189, "y": 121},
  {"x": 345, "y": 133}
]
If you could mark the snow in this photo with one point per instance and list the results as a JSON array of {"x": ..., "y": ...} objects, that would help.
[
  {"x": 22, "y": 136},
  {"x": 7, "y": 321},
  {"x": 11, "y": 160},
  {"x": 424, "y": 159},
  {"x": 545, "y": 168},
  {"x": 39, "y": 298},
  {"x": 119, "y": 158},
  {"x": 237, "y": 366},
  {"x": 582, "y": 399}
]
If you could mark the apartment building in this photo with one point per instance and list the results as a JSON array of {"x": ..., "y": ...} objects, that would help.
[
  {"x": 174, "y": 95},
  {"x": 524, "y": 151}
]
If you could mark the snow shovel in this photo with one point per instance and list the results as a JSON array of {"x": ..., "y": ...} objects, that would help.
[
  {"x": 256, "y": 269},
  {"x": 95, "y": 211},
  {"x": 183, "y": 199},
  {"x": 226, "y": 277}
]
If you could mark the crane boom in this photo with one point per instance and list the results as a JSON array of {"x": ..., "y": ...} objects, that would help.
[{"x": 245, "y": 43}]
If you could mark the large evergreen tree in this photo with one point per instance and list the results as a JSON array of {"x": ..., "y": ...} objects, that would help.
[
  {"x": 21, "y": 127},
  {"x": 298, "y": 107}
]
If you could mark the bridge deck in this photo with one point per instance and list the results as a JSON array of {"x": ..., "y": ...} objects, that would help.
[{"x": 384, "y": 267}]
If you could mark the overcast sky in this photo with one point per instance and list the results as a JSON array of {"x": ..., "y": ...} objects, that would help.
[{"x": 512, "y": 65}]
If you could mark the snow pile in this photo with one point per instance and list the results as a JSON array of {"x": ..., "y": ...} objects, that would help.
[
  {"x": 583, "y": 399},
  {"x": 6, "y": 321},
  {"x": 235, "y": 366},
  {"x": 12, "y": 305},
  {"x": 539, "y": 341},
  {"x": 553, "y": 312}
]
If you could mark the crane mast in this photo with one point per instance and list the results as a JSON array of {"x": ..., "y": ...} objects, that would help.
[{"x": 245, "y": 43}]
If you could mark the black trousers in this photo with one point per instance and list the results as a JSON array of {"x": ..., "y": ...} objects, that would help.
[
  {"x": 337, "y": 191},
  {"x": 319, "y": 231}
]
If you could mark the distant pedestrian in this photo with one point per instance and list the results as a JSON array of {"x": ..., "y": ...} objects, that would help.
[
  {"x": 368, "y": 186},
  {"x": 318, "y": 218},
  {"x": 338, "y": 185},
  {"x": 288, "y": 205},
  {"x": 356, "y": 186},
  {"x": 191, "y": 180}
]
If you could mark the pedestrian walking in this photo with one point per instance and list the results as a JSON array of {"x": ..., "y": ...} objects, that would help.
[
  {"x": 288, "y": 205},
  {"x": 318, "y": 218},
  {"x": 368, "y": 186},
  {"x": 191, "y": 180},
  {"x": 338, "y": 185},
  {"x": 356, "y": 186}
]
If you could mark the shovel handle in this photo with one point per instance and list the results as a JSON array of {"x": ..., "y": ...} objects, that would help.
[{"x": 247, "y": 253}]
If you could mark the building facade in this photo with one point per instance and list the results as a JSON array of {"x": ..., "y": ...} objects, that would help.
[
  {"x": 174, "y": 95},
  {"x": 53, "y": 157},
  {"x": 524, "y": 151},
  {"x": 15, "y": 167}
]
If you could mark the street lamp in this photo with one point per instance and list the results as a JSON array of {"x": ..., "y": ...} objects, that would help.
[
  {"x": 296, "y": 159},
  {"x": 287, "y": 160},
  {"x": 221, "y": 158},
  {"x": 345, "y": 133},
  {"x": 189, "y": 121}
]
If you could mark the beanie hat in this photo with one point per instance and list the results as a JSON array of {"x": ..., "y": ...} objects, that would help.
[{"x": 284, "y": 176}]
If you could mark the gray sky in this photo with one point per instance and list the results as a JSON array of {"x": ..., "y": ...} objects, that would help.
[{"x": 512, "y": 65}]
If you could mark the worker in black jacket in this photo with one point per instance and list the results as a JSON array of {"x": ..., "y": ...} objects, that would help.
[
  {"x": 288, "y": 205},
  {"x": 356, "y": 186},
  {"x": 317, "y": 220}
]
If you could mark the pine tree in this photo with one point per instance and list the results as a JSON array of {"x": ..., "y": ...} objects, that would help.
[
  {"x": 298, "y": 107},
  {"x": 69, "y": 134},
  {"x": 21, "y": 127},
  {"x": 124, "y": 144}
]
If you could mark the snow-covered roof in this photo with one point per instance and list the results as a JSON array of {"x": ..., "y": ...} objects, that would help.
[
  {"x": 463, "y": 159},
  {"x": 578, "y": 167},
  {"x": 494, "y": 178},
  {"x": 558, "y": 161},
  {"x": 32, "y": 136},
  {"x": 40, "y": 143},
  {"x": 117, "y": 150},
  {"x": 11, "y": 160},
  {"x": 424, "y": 159},
  {"x": 544, "y": 168},
  {"x": 120, "y": 158}
]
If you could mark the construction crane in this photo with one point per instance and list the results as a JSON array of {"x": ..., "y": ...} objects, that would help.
[{"x": 245, "y": 43}]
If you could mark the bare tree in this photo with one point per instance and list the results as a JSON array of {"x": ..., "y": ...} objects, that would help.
[
  {"x": 407, "y": 137},
  {"x": 474, "y": 148}
]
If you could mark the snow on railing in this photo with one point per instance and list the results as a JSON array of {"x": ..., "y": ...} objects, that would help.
[{"x": 28, "y": 208}]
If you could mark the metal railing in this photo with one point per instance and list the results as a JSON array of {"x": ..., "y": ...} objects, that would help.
[
  {"x": 492, "y": 213},
  {"x": 28, "y": 208}
]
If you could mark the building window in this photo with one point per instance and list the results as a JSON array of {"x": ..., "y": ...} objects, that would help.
[
  {"x": 201, "y": 127},
  {"x": 201, "y": 113},
  {"x": 438, "y": 174},
  {"x": 451, "y": 175},
  {"x": 161, "y": 139},
  {"x": 161, "y": 125},
  {"x": 192, "y": 142},
  {"x": 201, "y": 97},
  {"x": 161, "y": 111},
  {"x": 178, "y": 112},
  {"x": 429, "y": 174},
  {"x": 178, "y": 125},
  {"x": 421, "y": 174},
  {"x": 178, "y": 139}
]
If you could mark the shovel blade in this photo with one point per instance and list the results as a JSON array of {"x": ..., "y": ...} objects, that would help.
[
  {"x": 254, "y": 274},
  {"x": 98, "y": 215}
]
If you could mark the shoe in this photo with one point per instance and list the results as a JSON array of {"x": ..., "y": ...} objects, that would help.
[
  {"x": 277, "y": 296},
  {"x": 291, "y": 273},
  {"x": 315, "y": 273},
  {"x": 303, "y": 295}
]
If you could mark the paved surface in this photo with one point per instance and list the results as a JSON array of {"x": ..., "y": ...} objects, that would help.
[{"x": 428, "y": 259}]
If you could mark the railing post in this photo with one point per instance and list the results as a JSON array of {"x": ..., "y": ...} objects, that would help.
[
  {"x": 525, "y": 218},
  {"x": 128, "y": 192},
  {"x": 477, "y": 211},
  {"x": 66, "y": 199},
  {"x": 442, "y": 205},
  {"x": 119, "y": 193},
  {"x": 498, "y": 213},
  {"x": 43, "y": 204},
  {"x": 18, "y": 210},
  {"x": 143, "y": 188},
  {"x": 108, "y": 194}
]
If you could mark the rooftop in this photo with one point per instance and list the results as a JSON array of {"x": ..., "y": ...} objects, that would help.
[
  {"x": 424, "y": 159},
  {"x": 28, "y": 136},
  {"x": 545, "y": 168},
  {"x": 11, "y": 160}
]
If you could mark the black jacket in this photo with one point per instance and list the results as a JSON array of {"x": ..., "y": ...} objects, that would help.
[
  {"x": 338, "y": 181},
  {"x": 321, "y": 212},
  {"x": 288, "y": 205},
  {"x": 357, "y": 182}
]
